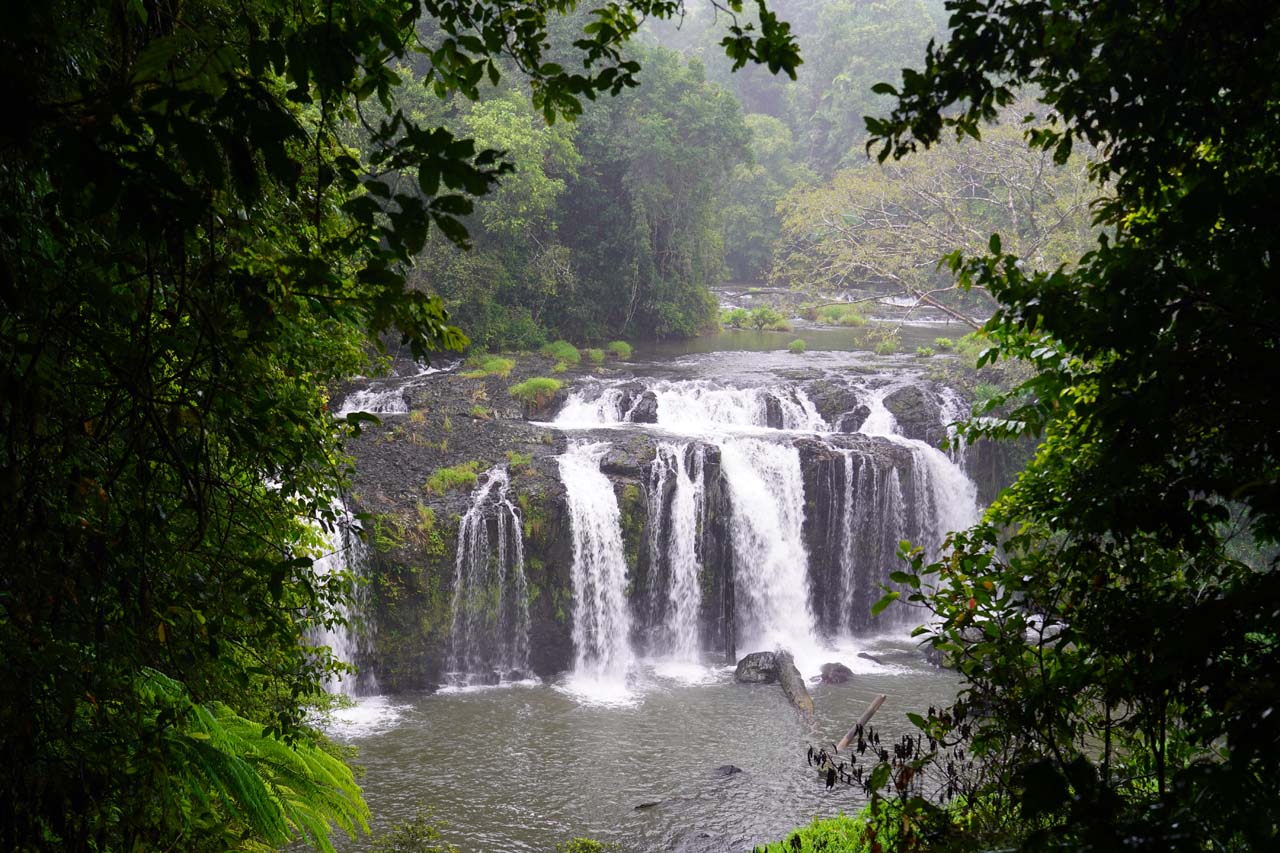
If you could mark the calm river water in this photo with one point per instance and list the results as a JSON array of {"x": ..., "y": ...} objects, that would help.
[{"x": 522, "y": 768}]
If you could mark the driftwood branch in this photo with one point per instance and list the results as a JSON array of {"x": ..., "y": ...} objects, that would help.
[{"x": 862, "y": 721}]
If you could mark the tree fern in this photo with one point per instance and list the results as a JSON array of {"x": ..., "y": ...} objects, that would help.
[{"x": 229, "y": 765}]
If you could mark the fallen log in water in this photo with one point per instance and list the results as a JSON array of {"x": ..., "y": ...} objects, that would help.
[
  {"x": 793, "y": 684},
  {"x": 862, "y": 721}
]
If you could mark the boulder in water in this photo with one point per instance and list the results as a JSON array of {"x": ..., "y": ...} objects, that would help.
[
  {"x": 757, "y": 668},
  {"x": 836, "y": 673},
  {"x": 727, "y": 770},
  {"x": 645, "y": 410},
  {"x": 793, "y": 684},
  {"x": 773, "y": 416},
  {"x": 514, "y": 675},
  {"x": 917, "y": 413},
  {"x": 871, "y": 658},
  {"x": 852, "y": 421}
]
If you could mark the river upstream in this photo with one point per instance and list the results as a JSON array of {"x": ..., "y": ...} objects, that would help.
[{"x": 648, "y": 741}]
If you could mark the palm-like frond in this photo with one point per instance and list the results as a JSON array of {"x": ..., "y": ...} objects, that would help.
[{"x": 278, "y": 791}]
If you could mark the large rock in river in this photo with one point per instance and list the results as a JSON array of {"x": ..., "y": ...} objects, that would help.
[
  {"x": 645, "y": 409},
  {"x": 757, "y": 668}
]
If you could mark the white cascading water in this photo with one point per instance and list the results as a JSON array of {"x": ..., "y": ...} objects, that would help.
[
  {"x": 601, "y": 619},
  {"x": 945, "y": 498},
  {"x": 771, "y": 564},
  {"x": 388, "y": 398},
  {"x": 678, "y": 531},
  {"x": 694, "y": 407},
  {"x": 585, "y": 409},
  {"x": 344, "y": 551},
  {"x": 376, "y": 400},
  {"x": 490, "y": 634},
  {"x": 874, "y": 520},
  {"x": 883, "y": 502}
]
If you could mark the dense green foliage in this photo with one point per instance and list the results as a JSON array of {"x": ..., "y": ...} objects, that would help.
[
  {"x": 609, "y": 226},
  {"x": 886, "y": 226},
  {"x": 1120, "y": 649},
  {"x": 195, "y": 241},
  {"x": 862, "y": 833}
]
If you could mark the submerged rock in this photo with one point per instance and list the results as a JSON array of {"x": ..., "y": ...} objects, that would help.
[
  {"x": 727, "y": 770},
  {"x": 836, "y": 673},
  {"x": 757, "y": 668}
]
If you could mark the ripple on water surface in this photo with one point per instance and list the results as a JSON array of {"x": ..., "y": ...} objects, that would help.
[{"x": 523, "y": 769}]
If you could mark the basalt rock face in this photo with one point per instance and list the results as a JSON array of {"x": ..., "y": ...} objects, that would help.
[{"x": 918, "y": 413}]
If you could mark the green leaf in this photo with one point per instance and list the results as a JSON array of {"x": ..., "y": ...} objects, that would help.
[
  {"x": 879, "y": 606},
  {"x": 879, "y": 776}
]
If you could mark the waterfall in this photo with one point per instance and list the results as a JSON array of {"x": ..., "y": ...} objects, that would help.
[
  {"x": 954, "y": 409},
  {"x": 696, "y": 406},
  {"x": 771, "y": 564},
  {"x": 586, "y": 409},
  {"x": 673, "y": 546},
  {"x": 942, "y": 499},
  {"x": 601, "y": 618},
  {"x": 874, "y": 520},
  {"x": 376, "y": 400},
  {"x": 343, "y": 551},
  {"x": 490, "y": 634}
]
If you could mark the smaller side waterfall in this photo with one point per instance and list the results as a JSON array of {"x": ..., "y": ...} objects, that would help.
[
  {"x": 875, "y": 519},
  {"x": 673, "y": 557},
  {"x": 601, "y": 618},
  {"x": 344, "y": 551},
  {"x": 954, "y": 409},
  {"x": 490, "y": 635}
]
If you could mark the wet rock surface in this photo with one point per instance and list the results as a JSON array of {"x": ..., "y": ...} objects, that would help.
[
  {"x": 836, "y": 673},
  {"x": 757, "y": 668},
  {"x": 918, "y": 413}
]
